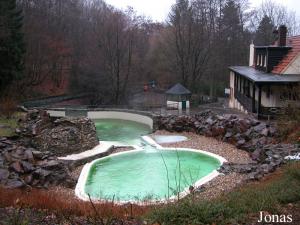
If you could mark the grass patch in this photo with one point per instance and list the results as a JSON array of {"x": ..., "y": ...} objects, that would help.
[
  {"x": 235, "y": 207},
  {"x": 8, "y": 125}
]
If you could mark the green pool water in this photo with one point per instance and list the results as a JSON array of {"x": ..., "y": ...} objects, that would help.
[
  {"x": 142, "y": 175},
  {"x": 123, "y": 131}
]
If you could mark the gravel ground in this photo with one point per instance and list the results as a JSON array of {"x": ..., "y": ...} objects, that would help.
[
  {"x": 228, "y": 151},
  {"x": 76, "y": 172},
  {"x": 220, "y": 185}
]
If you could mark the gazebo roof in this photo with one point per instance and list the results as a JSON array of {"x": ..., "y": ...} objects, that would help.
[{"x": 178, "y": 89}]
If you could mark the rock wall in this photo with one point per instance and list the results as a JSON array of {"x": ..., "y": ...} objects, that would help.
[
  {"x": 25, "y": 167},
  {"x": 252, "y": 135},
  {"x": 245, "y": 133},
  {"x": 30, "y": 158},
  {"x": 59, "y": 136},
  {"x": 265, "y": 160}
]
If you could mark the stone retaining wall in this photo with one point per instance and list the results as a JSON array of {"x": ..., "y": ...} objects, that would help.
[
  {"x": 22, "y": 166},
  {"x": 245, "y": 133}
]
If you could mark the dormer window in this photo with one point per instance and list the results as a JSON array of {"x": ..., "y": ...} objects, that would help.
[{"x": 267, "y": 57}]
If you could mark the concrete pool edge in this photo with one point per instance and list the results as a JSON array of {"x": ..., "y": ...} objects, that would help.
[
  {"x": 80, "y": 186},
  {"x": 94, "y": 115}
]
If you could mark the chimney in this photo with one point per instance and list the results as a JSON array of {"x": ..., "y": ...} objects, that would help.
[
  {"x": 282, "y": 32},
  {"x": 251, "y": 55}
]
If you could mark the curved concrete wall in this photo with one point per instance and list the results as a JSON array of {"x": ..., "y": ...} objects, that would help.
[
  {"x": 56, "y": 113},
  {"x": 122, "y": 116}
]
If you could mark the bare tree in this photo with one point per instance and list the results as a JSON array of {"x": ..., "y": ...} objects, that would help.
[
  {"x": 116, "y": 43},
  {"x": 190, "y": 40},
  {"x": 278, "y": 14}
]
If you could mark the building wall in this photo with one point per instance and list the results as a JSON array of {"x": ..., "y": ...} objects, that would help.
[
  {"x": 233, "y": 102},
  {"x": 177, "y": 105},
  {"x": 293, "y": 67},
  {"x": 274, "y": 100},
  {"x": 187, "y": 104},
  {"x": 172, "y": 104},
  {"x": 271, "y": 100},
  {"x": 268, "y": 101},
  {"x": 232, "y": 99}
]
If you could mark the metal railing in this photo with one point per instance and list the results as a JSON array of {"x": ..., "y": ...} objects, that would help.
[{"x": 39, "y": 102}]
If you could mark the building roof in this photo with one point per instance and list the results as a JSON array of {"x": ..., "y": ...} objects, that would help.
[
  {"x": 178, "y": 89},
  {"x": 294, "y": 42},
  {"x": 258, "y": 76}
]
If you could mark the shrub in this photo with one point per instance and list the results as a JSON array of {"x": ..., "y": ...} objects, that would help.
[
  {"x": 289, "y": 124},
  {"x": 8, "y": 106},
  {"x": 66, "y": 205}
]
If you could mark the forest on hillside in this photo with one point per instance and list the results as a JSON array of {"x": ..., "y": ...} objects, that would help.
[{"x": 53, "y": 47}]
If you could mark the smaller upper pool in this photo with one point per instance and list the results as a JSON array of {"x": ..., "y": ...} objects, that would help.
[
  {"x": 164, "y": 139},
  {"x": 124, "y": 132}
]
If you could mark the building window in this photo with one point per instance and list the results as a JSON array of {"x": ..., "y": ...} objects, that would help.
[
  {"x": 265, "y": 61},
  {"x": 268, "y": 92}
]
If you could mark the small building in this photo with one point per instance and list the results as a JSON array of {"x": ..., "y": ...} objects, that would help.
[
  {"x": 269, "y": 84},
  {"x": 178, "y": 97}
]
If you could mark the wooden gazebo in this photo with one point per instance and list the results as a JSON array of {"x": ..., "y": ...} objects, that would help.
[{"x": 178, "y": 97}]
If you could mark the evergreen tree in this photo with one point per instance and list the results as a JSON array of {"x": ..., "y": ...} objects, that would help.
[
  {"x": 181, "y": 21},
  {"x": 230, "y": 46},
  {"x": 12, "y": 47},
  {"x": 231, "y": 34},
  {"x": 264, "y": 33}
]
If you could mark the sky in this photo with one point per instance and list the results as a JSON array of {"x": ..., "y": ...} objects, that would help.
[{"x": 158, "y": 9}]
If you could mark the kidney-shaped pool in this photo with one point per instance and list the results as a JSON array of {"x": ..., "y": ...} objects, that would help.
[{"x": 153, "y": 174}]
